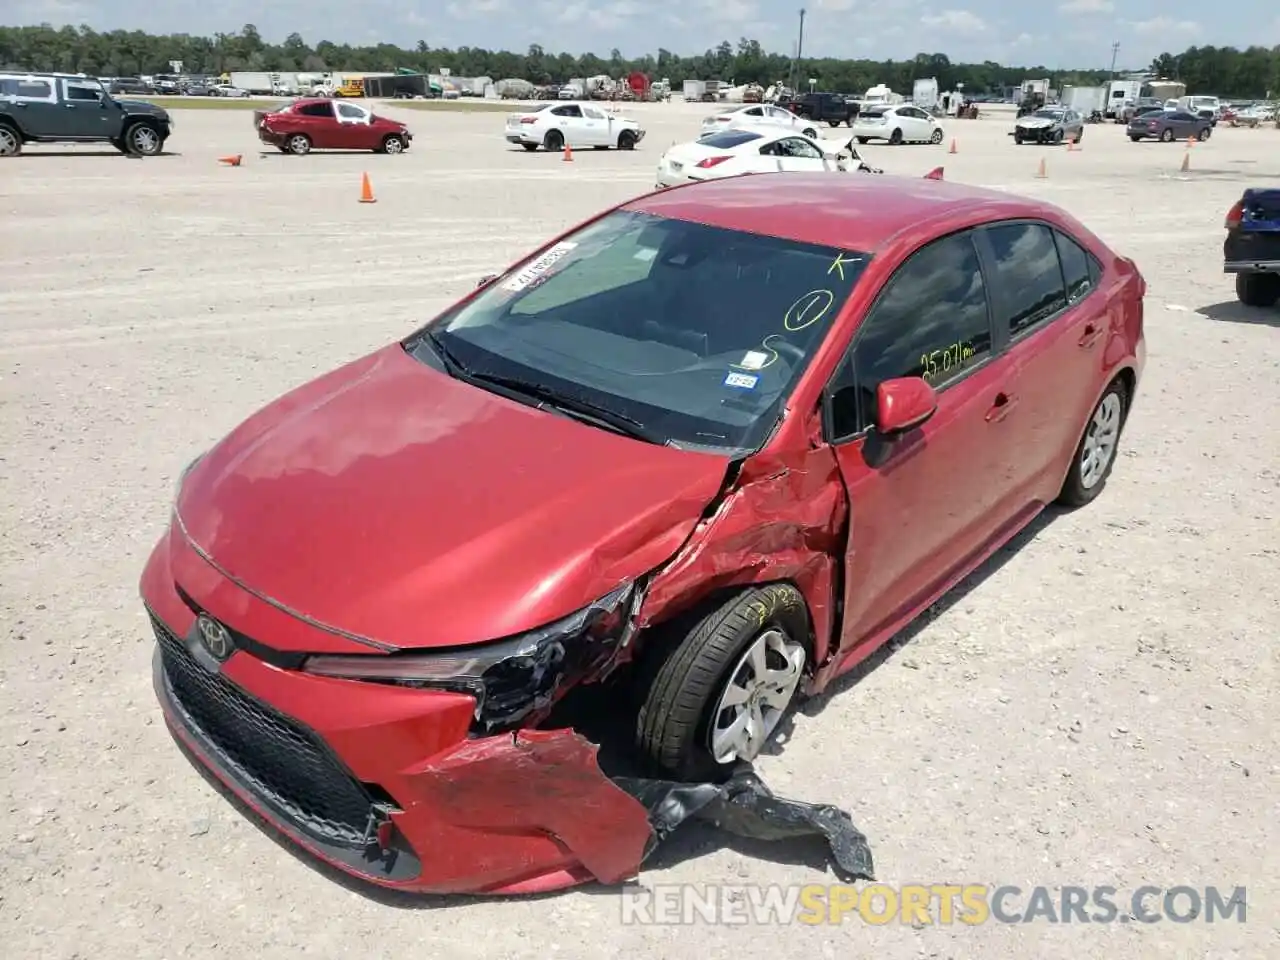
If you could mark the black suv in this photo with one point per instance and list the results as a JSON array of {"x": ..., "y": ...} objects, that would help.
[
  {"x": 66, "y": 108},
  {"x": 831, "y": 107}
]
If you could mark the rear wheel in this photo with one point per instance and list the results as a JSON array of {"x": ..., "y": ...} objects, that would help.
[
  {"x": 1096, "y": 453},
  {"x": 299, "y": 144},
  {"x": 10, "y": 141},
  {"x": 1167, "y": 136},
  {"x": 554, "y": 141},
  {"x": 1258, "y": 289},
  {"x": 531, "y": 147}
]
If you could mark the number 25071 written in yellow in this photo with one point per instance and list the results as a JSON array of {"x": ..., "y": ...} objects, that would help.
[{"x": 949, "y": 358}]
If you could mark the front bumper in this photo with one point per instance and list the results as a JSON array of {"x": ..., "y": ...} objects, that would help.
[
  {"x": 384, "y": 783},
  {"x": 1037, "y": 134}
]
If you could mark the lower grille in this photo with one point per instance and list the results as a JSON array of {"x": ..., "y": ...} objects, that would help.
[{"x": 274, "y": 755}]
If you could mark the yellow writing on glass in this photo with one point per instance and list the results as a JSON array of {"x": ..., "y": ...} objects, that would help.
[
  {"x": 949, "y": 358},
  {"x": 839, "y": 263},
  {"x": 801, "y": 315}
]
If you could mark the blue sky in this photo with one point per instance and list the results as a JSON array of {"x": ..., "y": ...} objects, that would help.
[{"x": 1057, "y": 33}]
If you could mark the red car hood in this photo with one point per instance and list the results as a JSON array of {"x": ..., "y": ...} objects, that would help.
[{"x": 397, "y": 504}]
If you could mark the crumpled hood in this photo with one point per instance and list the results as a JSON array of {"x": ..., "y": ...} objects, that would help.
[
  {"x": 1037, "y": 123},
  {"x": 399, "y": 505}
]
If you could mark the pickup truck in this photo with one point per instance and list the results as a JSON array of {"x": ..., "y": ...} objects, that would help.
[
  {"x": 72, "y": 108},
  {"x": 833, "y": 108}
]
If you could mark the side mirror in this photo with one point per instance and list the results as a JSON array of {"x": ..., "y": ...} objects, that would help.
[
  {"x": 486, "y": 280},
  {"x": 903, "y": 404}
]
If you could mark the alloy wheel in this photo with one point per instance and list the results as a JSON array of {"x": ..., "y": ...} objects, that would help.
[{"x": 755, "y": 697}]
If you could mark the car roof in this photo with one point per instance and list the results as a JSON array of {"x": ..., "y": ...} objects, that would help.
[{"x": 853, "y": 212}]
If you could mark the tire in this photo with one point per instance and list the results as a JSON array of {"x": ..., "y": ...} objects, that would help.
[
  {"x": 1133, "y": 138},
  {"x": 554, "y": 141},
  {"x": 143, "y": 139},
  {"x": 1057, "y": 136},
  {"x": 936, "y": 137},
  {"x": 531, "y": 147},
  {"x": 299, "y": 144},
  {"x": 895, "y": 138},
  {"x": 832, "y": 123},
  {"x": 1095, "y": 455},
  {"x": 679, "y": 712},
  {"x": 863, "y": 140},
  {"x": 1017, "y": 139},
  {"x": 10, "y": 141},
  {"x": 626, "y": 140},
  {"x": 1166, "y": 136},
  {"x": 1258, "y": 289},
  {"x": 1079, "y": 136},
  {"x": 1203, "y": 135},
  {"x": 393, "y": 144},
  {"x": 811, "y": 133}
]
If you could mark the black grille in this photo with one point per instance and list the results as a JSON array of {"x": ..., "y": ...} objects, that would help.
[{"x": 274, "y": 755}]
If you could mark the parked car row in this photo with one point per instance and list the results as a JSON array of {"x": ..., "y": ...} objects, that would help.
[{"x": 895, "y": 124}]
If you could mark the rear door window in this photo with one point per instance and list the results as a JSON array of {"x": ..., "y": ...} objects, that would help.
[
  {"x": 1078, "y": 270},
  {"x": 1027, "y": 275}
]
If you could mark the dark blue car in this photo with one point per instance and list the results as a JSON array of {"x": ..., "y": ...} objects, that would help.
[{"x": 1252, "y": 248}]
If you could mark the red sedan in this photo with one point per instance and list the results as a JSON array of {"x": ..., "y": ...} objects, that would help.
[
  {"x": 301, "y": 126},
  {"x": 717, "y": 444}
]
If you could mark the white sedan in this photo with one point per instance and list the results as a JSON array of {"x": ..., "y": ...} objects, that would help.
[
  {"x": 227, "y": 90},
  {"x": 736, "y": 152},
  {"x": 759, "y": 115},
  {"x": 902, "y": 123},
  {"x": 559, "y": 125}
]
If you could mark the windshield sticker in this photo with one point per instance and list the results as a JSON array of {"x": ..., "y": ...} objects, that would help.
[
  {"x": 754, "y": 360},
  {"x": 741, "y": 381},
  {"x": 529, "y": 274}
]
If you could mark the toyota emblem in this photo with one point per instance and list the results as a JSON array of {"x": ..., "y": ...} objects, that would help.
[{"x": 215, "y": 637}]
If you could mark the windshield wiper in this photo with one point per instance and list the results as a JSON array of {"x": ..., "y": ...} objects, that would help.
[
  {"x": 579, "y": 408},
  {"x": 453, "y": 366}
]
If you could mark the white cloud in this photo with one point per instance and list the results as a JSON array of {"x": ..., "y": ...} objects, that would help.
[
  {"x": 470, "y": 9},
  {"x": 961, "y": 21},
  {"x": 1022, "y": 40},
  {"x": 837, "y": 6},
  {"x": 1163, "y": 26},
  {"x": 1086, "y": 6}
]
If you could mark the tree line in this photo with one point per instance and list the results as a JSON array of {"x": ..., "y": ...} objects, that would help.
[{"x": 1224, "y": 71}]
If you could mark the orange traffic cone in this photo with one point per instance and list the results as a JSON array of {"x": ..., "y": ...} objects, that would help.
[
  {"x": 568, "y": 153},
  {"x": 1186, "y": 162},
  {"x": 1191, "y": 142},
  {"x": 1043, "y": 171},
  {"x": 1071, "y": 145},
  {"x": 934, "y": 174},
  {"x": 231, "y": 161},
  {"x": 953, "y": 146},
  {"x": 366, "y": 191}
]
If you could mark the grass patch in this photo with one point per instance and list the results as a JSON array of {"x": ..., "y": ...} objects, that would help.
[{"x": 209, "y": 103}]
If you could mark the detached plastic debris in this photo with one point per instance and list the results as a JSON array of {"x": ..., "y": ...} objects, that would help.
[{"x": 745, "y": 807}]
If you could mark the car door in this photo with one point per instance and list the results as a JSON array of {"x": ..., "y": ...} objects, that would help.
[
  {"x": 1043, "y": 302},
  {"x": 86, "y": 113},
  {"x": 920, "y": 504},
  {"x": 596, "y": 128},
  {"x": 798, "y": 155},
  {"x": 568, "y": 120},
  {"x": 35, "y": 105},
  {"x": 912, "y": 124},
  {"x": 354, "y": 127},
  {"x": 1182, "y": 124}
]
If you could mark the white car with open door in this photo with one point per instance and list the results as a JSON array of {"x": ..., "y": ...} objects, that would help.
[
  {"x": 736, "y": 152},
  {"x": 759, "y": 115},
  {"x": 577, "y": 125},
  {"x": 899, "y": 123}
]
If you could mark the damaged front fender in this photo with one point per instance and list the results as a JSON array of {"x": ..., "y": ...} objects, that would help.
[{"x": 549, "y": 784}]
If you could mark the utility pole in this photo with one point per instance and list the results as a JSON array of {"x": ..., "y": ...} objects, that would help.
[
  {"x": 795, "y": 64},
  {"x": 1115, "y": 49}
]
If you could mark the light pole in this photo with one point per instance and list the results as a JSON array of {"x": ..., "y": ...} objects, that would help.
[
  {"x": 795, "y": 65},
  {"x": 1115, "y": 49}
]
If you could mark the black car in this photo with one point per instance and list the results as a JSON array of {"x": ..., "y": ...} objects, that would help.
[
  {"x": 1252, "y": 248},
  {"x": 67, "y": 108},
  {"x": 130, "y": 87}
]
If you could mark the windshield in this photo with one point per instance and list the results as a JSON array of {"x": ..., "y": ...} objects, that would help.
[
  {"x": 695, "y": 335},
  {"x": 875, "y": 111},
  {"x": 1049, "y": 114},
  {"x": 728, "y": 139}
]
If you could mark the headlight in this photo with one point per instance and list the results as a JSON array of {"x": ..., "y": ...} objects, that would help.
[{"x": 511, "y": 678}]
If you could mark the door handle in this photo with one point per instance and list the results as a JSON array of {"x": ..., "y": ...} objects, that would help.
[
  {"x": 70, "y": 106},
  {"x": 1001, "y": 407},
  {"x": 1091, "y": 335}
]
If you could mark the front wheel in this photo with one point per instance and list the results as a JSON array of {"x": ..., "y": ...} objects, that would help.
[
  {"x": 393, "y": 144},
  {"x": 1096, "y": 453},
  {"x": 299, "y": 144},
  {"x": 143, "y": 139},
  {"x": 833, "y": 123},
  {"x": 1167, "y": 136},
  {"x": 1203, "y": 135},
  {"x": 809, "y": 132},
  {"x": 1258, "y": 289},
  {"x": 936, "y": 136},
  {"x": 1017, "y": 139},
  {"x": 626, "y": 140},
  {"x": 895, "y": 138},
  {"x": 1133, "y": 138},
  {"x": 720, "y": 694},
  {"x": 864, "y": 140}
]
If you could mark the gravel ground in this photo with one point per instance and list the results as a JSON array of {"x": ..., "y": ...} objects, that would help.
[{"x": 1096, "y": 706}]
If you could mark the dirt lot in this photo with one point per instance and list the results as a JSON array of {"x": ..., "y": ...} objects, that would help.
[{"x": 1098, "y": 706}]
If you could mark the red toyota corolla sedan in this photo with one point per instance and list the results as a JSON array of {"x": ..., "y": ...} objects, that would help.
[
  {"x": 317, "y": 123},
  {"x": 717, "y": 444}
]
